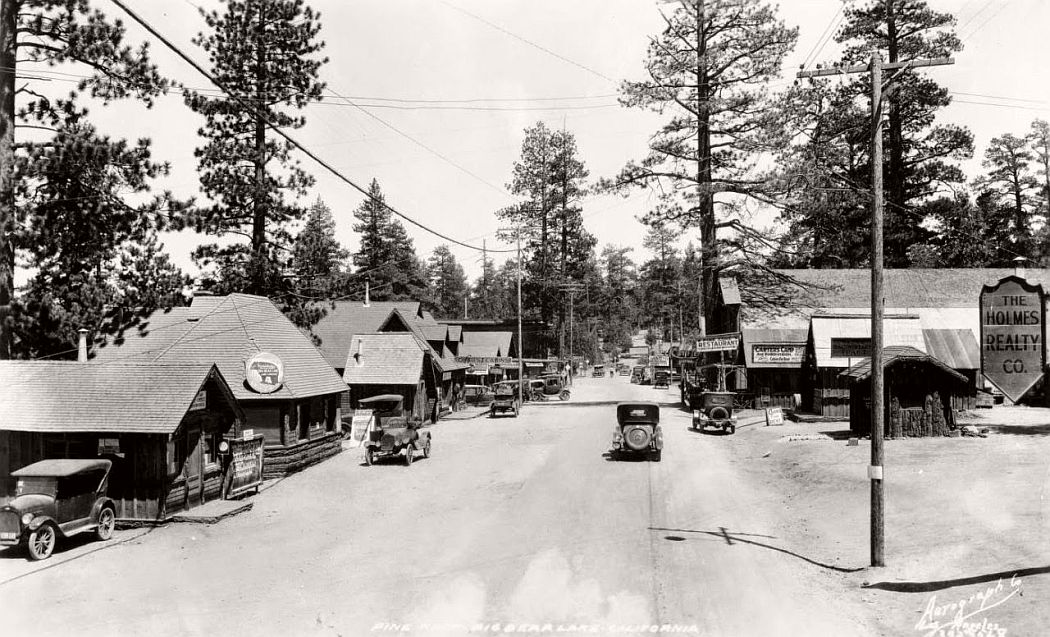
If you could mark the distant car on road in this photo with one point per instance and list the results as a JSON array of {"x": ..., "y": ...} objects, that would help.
[
  {"x": 57, "y": 498},
  {"x": 507, "y": 398},
  {"x": 477, "y": 394}
]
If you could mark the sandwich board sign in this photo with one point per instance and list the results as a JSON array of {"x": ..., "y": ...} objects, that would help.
[{"x": 1013, "y": 335}]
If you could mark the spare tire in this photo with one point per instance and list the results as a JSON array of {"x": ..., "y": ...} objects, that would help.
[
  {"x": 637, "y": 438},
  {"x": 718, "y": 413}
]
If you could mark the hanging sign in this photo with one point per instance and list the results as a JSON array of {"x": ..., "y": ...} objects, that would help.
[
  {"x": 1013, "y": 335},
  {"x": 719, "y": 343},
  {"x": 264, "y": 372}
]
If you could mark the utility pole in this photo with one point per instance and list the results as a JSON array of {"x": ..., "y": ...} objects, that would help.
[
  {"x": 521, "y": 344},
  {"x": 876, "y": 67},
  {"x": 572, "y": 289}
]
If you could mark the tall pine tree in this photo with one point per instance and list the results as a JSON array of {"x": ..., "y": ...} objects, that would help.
[{"x": 387, "y": 257}]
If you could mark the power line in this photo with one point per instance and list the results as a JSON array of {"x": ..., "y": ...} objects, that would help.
[
  {"x": 821, "y": 42},
  {"x": 529, "y": 42},
  {"x": 258, "y": 113}
]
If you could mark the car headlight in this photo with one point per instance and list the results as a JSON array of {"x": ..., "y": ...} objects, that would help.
[
  {"x": 696, "y": 413},
  {"x": 27, "y": 518}
]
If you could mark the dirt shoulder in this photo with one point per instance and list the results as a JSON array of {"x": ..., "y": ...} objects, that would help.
[{"x": 967, "y": 519}]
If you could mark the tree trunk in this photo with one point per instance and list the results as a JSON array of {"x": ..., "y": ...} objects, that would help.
[
  {"x": 705, "y": 203},
  {"x": 258, "y": 271},
  {"x": 8, "y": 46}
]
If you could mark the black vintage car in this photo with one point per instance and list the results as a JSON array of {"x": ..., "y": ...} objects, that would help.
[
  {"x": 715, "y": 409},
  {"x": 661, "y": 379},
  {"x": 57, "y": 498},
  {"x": 638, "y": 430},
  {"x": 508, "y": 399},
  {"x": 392, "y": 432}
]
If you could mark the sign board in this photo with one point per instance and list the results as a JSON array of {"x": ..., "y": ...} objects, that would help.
[
  {"x": 661, "y": 361},
  {"x": 200, "y": 401},
  {"x": 1013, "y": 331},
  {"x": 359, "y": 425},
  {"x": 487, "y": 360},
  {"x": 246, "y": 465},
  {"x": 774, "y": 416},
  {"x": 264, "y": 373},
  {"x": 718, "y": 342},
  {"x": 247, "y": 434},
  {"x": 777, "y": 353},
  {"x": 851, "y": 347}
]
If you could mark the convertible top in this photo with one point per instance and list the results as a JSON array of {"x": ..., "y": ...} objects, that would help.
[
  {"x": 382, "y": 398},
  {"x": 60, "y": 468}
]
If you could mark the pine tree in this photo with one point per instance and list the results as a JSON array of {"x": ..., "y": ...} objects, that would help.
[
  {"x": 387, "y": 256},
  {"x": 708, "y": 72},
  {"x": 1007, "y": 159},
  {"x": 53, "y": 32},
  {"x": 317, "y": 257},
  {"x": 264, "y": 52},
  {"x": 1039, "y": 139},
  {"x": 448, "y": 283}
]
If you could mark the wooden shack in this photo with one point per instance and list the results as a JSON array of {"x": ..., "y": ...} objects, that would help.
[
  {"x": 160, "y": 424},
  {"x": 919, "y": 393}
]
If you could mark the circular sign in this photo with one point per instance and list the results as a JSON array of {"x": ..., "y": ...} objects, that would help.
[{"x": 264, "y": 372}]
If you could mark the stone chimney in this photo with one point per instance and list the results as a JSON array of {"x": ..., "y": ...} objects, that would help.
[
  {"x": 1019, "y": 267},
  {"x": 82, "y": 346}
]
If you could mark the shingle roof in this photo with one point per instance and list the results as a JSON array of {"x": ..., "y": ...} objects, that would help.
[
  {"x": 434, "y": 332},
  {"x": 117, "y": 397},
  {"x": 347, "y": 318},
  {"x": 895, "y": 354},
  {"x": 455, "y": 333},
  {"x": 389, "y": 358},
  {"x": 234, "y": 328},
  {"x": 486, "y": 343}
]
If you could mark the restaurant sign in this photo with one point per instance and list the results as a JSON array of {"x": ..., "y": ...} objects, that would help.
[
  {"x": 1013, "y": 331},
  {"x": 487, "y": 360},
  {"x": 851, "y": 347},
  {"x": 718, "y": 343},
  {"x": 264, "y": 372},
  {"x": 775, "y": 353}
]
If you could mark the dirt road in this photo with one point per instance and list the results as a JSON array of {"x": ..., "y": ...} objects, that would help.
[{"x": 512, "y": 521}]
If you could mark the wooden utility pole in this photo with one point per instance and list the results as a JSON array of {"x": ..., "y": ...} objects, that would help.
[
  {"x": 876, "y": 67},
  {"x": 8, "y": 62}
]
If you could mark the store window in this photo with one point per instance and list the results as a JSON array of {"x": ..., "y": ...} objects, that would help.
[
  {"x": 211, "y": 447},
  {"x": 304, "y": 420}
]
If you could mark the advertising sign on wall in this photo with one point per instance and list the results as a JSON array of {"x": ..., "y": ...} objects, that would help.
[
  {"x": 264, "y": 372},
  {"x": 770, "y": 353},
  {"x": 246, "y": 465},
  {"x": 850, "y": 347},
  {"x": 1013, "y": 330},
  {"x": 718, "y": 343}
]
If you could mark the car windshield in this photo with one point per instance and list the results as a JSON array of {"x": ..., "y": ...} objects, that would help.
[{"x": 42, "y": 485}]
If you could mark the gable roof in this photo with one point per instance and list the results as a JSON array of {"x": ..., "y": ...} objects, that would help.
[
  {"x": 343, "y": 319},
  {"x": 388, "y": 358},
  {"x": 486, "y": 343},
  {"x": 435, "y": 332},
  {"x": 455, "y": 333},
  {"x": 957, "y": 348},
  {"x": 232, "y": 329},
  {"x": 896, "y": 354},
  {"x": 115, "y": 397}
]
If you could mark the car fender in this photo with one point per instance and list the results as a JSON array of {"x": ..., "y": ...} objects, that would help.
[
  {"x": 96, "y": 510},
  {"x": 658, "y": 437},
  {"x": 40, "y": 520},
  {"x": 424, "y": 438}
]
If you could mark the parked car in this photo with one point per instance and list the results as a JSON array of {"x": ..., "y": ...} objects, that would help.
[
  {"x": 636, "y": 374},
  {"x": 624, "y": 370},
  {"x": 393, "y": 433},
  {"x": 599, "y": 371},
  {"x": 57, "y": 498},
  {"x": 662, "y": 379},
  {"x": 507, "y": 399},
  {"x": 553, "y": 385},
  {"x": 715, "y": 409},
  {"x": 638, "y": 430},
  {"x": 477, "y": 394}
]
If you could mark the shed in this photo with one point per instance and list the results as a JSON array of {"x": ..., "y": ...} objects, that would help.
[
  {"x": 918, "y": 389},
  {"x": 160, "y": 423}
]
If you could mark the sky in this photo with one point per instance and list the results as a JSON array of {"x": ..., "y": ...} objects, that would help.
[{"x": 431, "y": 98}]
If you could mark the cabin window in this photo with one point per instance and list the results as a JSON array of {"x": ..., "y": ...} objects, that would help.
[
  {"x": 304, "y": 420},
  {"x": 211, "y": 447}
]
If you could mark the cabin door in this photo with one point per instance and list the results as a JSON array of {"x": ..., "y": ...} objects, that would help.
[{"x": 194, "y": 467}]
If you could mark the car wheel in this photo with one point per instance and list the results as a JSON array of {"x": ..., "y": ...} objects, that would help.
[
  {"x": 408, "y": 456},
  {"x": 369, "y": 456},
  {"x": 732, "y": 429},
  {"x": 564, "y": 395},
  {"x": 42, "y": 542},
  {"x": 107, "y": 519}
]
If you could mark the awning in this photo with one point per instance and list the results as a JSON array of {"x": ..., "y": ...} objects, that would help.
[{"x": 535, "y": 365}]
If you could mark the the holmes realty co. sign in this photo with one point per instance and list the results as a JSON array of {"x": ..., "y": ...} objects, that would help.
[{"x": 1013, "y": 335}]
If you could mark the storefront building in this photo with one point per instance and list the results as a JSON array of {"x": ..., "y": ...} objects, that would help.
[
  {"x": 163, "y": 425},
  {"x": 288, "y": 392}
]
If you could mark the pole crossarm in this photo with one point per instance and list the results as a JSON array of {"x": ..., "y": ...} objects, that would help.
[{"x": 864, "y": 68}]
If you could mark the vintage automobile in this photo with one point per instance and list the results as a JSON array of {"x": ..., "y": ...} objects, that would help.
[
  {"x": 623, "y": 369},
  {"x": 477, "y": 394},
  {"x": 715, "y": 409},
  {"x": 507, "y": 399},
  {"x": 636, "y": 374},
  {"x": 553, "y": 385},
  {"x": 661, "y": 379},
  {"x": 57, "y": 498},
  {"x": 599, "y": 371},
  {"x": 392, "y": 432},
  {"x": 638, "y": 430}
]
